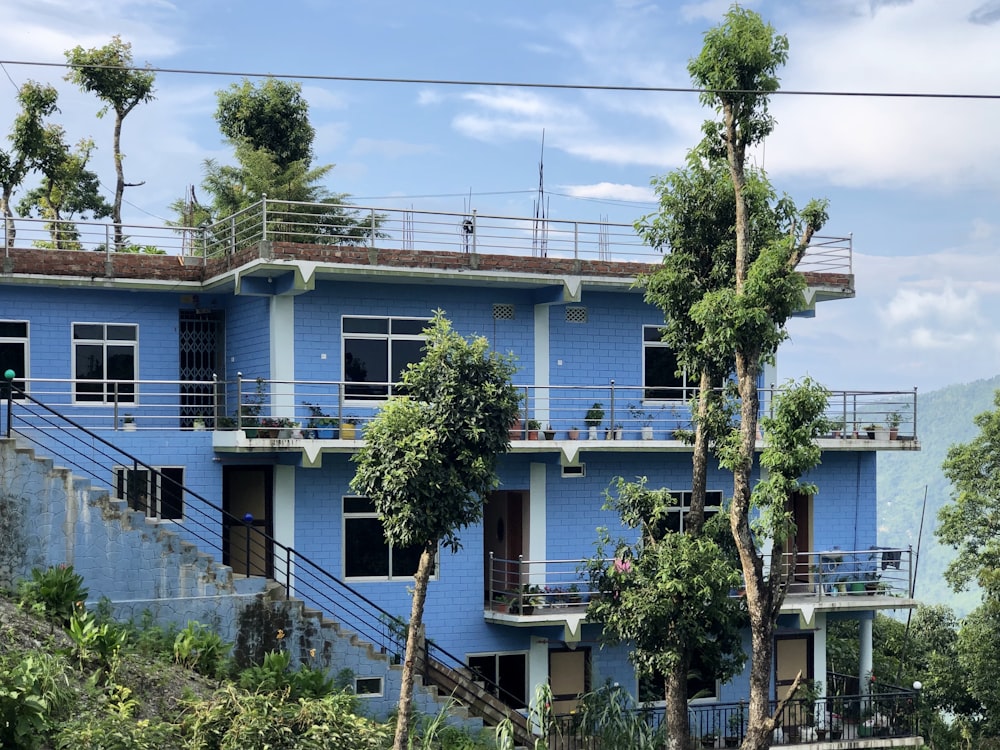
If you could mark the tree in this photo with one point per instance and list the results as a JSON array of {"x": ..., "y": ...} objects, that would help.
[
  {"x": 27, "y": 139},
  {"x": 429, "y": 460},
  {"x": 667, "y": 594},
  {"x": 272, "y": 138},
  {"x": 971, "y": 522},
  {"x": 68, "y": 188},
  {"x": 108, "y": 73},
  {"x": 737, "y": 69},
  {"x": 979, "y": 660}
]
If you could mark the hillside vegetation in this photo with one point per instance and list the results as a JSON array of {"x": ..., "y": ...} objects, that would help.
[{"x": 944, "y": 417}]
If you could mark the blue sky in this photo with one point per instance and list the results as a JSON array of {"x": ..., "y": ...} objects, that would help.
[{"x": 914, "y": 181}]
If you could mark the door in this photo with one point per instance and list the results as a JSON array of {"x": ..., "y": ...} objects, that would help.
[
  {"x": 792, "y": 653},
  {"x": 800, "y": 505},
  {"x": 201, "y": 347},
  {"x": 503, "y": 535},
  {"x": 248, "y": 499},
  {"x": 569, "y": 678}
]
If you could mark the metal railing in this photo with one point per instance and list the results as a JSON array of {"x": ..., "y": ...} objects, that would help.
[
  {"x": 330, "y": 409},
  {"x": 890, "y": 712},
  {"x": 241, "y": 542},
  {"x": 884, "y": 571},
  {"x": 527, "y": 587},
  {"x": 384, "y": 228}
]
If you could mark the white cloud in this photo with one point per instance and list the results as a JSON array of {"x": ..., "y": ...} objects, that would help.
[
  {"x": 982, "y": 230},
  {"x": 427, "y": 97},
  {"x": 945, "y": 306},
  {"x": 612, "y": 191}
]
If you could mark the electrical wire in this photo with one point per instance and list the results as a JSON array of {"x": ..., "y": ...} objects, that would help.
[{"x": 516, "y": 84}]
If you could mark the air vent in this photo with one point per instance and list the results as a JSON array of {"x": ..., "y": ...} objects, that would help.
[
  {"x": 574, "y": 470},
  {"x": 503, "y": 311},
  {"x": 576, "y": 314}
]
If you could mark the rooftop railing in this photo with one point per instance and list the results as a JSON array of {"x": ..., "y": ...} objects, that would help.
[{"x": 377, "y": 227}]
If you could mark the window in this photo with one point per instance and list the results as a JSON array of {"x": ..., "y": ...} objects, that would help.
[
  {"x": 106, "y": 353},
  {"x": 367, "y": 554},
  {"x": 506, "y": 674},
  {"x": 158, "y": 493},
  {"x": 368, "y": 687},
  {"x": 677, "y": 513},
  {"x": 14, "y": 350},
  {"x": 700, "y": 686},
  {"x": 660, "y": 378},
  {"x": 377, "y": 350}
]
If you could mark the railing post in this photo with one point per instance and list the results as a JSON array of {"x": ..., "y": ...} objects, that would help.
[
  {"x": 520, "y": 584},
  {"x": 492, "y": 575},
  {"x": 239, "y": 401},
  {"x": 576, "y": 240},
  {"x": 248, "y": 521},
  {"x": 612, "y": 423},
  {"x": 263, "y": 217},
  {"x": 475, "y": 233},
  {"x": 7, "y": 386},
  {"x": 371, "y": 238},
  {"x": 114, "y": 391},
  {"x": 232, "y": 235},
  {"x": 914, "y": 412}
]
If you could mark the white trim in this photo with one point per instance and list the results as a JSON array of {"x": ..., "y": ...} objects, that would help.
[
  {"x": 154, "y": 507},
  {"x": 344, "y": 516},
  {"x": 355, "y": 401},
  {"x": 381, "y": 687},
  {"x": 536, "y": 518},
  {"x": 282, "y": 350},
  {"x": 25, "y": 342},
  {"x": 103, "y": 342},
  {"x": 540, "y": 410},
  {"x": 685, "y": 387}
]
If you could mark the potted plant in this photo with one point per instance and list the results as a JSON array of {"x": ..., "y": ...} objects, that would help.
[
  {"x": 248, "y": 417},
  {"x": 573, "y": 433},
  {"x": 708, "y": 739},
  {"x": 533, "y": 427},
  {"x": 516, "y": 431},
  {"x": 737, "y": 726},
  {"x": 615, "y": 432},
  {"x": 593, "y": 419},
  {"x": 349, "y": 427},
  {"x": 836, "y": 428},
  {"x": 128, "y": 423},
  {"x": 550, "y": 434},
  {"x": 644, "y": 419},
  {"x": 319, "y": 422},
  {"x": 870, "y": 430},
  {"x": 894, "y": 419}
]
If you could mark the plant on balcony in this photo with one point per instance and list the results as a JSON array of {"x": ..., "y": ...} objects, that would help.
[
  {"x": 550, "y": 434},
  {"x": 644, "y": 420},
  {"x": 573, "y": 433},
  {"x": 533, "y": 427},
  {"x": 893, "y": 420},
  {"x": 593, "y": 418}
]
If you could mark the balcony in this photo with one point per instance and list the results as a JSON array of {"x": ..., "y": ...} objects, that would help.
[{"x": 316, "y": 417}]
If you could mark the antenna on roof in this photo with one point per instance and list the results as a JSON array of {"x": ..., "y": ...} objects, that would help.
[{"x": 540, "y": 226}]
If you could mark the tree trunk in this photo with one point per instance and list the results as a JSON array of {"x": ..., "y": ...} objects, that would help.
[
  {"x": 699, "y": 460},
  {"x": 414, "y": 648},
  {"x": 116, "y": 213},
  {"x": 10, "y": 231},
  {"x": 676, "y": 711}
]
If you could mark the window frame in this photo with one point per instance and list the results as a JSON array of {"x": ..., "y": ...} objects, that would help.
[
  {"x": 154, "y": 481},
  {"x": 495, "y": 655},
  {"x": 680, "y": 509},
  {"x": 346, "y": 516},
  {"x": 105, "y": 395},
  {"x": 683, "y": 387},
  {"x": 361, "y": 399},
  {"x": 662, "y": 701},
  {"x": 23, "y": 378}
]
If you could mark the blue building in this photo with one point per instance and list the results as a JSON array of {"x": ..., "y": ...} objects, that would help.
[{"x": 238, "y": 370}]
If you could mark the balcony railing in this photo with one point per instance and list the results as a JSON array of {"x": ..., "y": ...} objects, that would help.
[
  {"x": 384, "y": 228},
  {"x": 628, "y": 412},
  {"x": 834, "y": 574},
  {"x": 888, "y": 712},
  {"x": 537, "y": 587}
]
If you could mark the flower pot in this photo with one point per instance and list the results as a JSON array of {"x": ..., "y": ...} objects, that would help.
[
  {"x": 647, "y": 432},
  {"x": 348, "y": 431},
  {"x": 573, "y": 434},
  {"x": 325, "y": 433},
  {"x": 592, "y": 433},
  {"x": 129, "y": 426},
  {"x": 549, "y": 434}
]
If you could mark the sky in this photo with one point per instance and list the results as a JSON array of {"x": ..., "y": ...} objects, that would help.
[{"x": 914, "y": 181}]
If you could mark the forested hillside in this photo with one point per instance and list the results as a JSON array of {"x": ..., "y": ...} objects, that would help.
[{"x": 944, "y": 417}]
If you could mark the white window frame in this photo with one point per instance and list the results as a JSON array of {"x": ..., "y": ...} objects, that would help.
[
  {"x": 496, "y": 667},
  {"x": 713, "y": 505},
  {"x": 366, "y": 678},
  {"x": 104, "y": 342},
  {"x": 685, "y": 388},
  {"x": 390, "y": 337},
  {"x": 154, "y": 489},
  {"x": 23, "y": 378},
  {"x": 344, "y": 518}
]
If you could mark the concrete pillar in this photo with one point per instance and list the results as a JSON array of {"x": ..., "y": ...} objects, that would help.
[{"x": 865, "y": 652}]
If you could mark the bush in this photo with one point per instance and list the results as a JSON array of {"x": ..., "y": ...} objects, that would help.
[
  {"x": 276, "y": 675},
  {"x": 34, "y": 693},
  {"x": 114, "y": 732},
  {"x": 54, "y": 593},
  {"x": 198, "y": 648}
]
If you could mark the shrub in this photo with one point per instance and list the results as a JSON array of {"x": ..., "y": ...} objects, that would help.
[
  {"x": 53, "y": 592},
  {"x": 276, "y": 675},
  {"x": 115, "y": 732},
  {"x": 198, "y": 648},
  {"x": 34, "y": 693}
]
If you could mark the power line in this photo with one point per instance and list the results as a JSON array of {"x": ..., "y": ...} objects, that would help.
[{"x": 519, "y": 84}]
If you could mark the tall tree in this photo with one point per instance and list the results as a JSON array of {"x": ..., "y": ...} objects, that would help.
[
  {"x": 429, "y": 461},
  {"x": 273, "y": 117},
  {"x": 108, "y": 73},
  {"x": 67, "y": 189},
  {"x": 737, "y": 70},
  {"x": 667, "y": 595},
  {"x": 28, "y": 139},
  {"x": 971, "y": 521}
]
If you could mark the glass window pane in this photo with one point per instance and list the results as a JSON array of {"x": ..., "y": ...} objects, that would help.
[
  {"x": 12, "y": 357},
  {"x": 89, "y": 362},
  {"x": 121, "y": 363},
  {"x": 366, "y": 361},
  {"x": 366, "y": 325},
  {"x": 407, "y": 327},
  {"x": 122, "y": 333},
  {"x": 172, "y": 493},
  {"x": 358, "y": 505},
  {"x": 403, "y": 353},
  {"x": 366, "y": 553},
  {"x": 660, "y": 375},
  {"x": 405, "y": 561},
  {"x": 651, "y": 333},
  {"x": 13, "y": 329},
  {"x": 90, "y": 331}
]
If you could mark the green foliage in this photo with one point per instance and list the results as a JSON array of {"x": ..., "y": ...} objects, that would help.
[
  {"x": 197, "y": 647},
  {"x": 276, "y": 675},
  {"x": 28, "y": 140},
  {"x": 970, "y": 522},
  {"x": 272, "y": 118},
  {"x": 95, "y": 641},
  {"x": 236, "y": 720},
  {"x": 56, "y": 591},
  {"x": 34, "y": 694},
  {"x": 116, "y": 732},
  {"x": 429, "y": 458},
  {"x": 979, "y": 660},
  {"x": 666, "y": 593}
]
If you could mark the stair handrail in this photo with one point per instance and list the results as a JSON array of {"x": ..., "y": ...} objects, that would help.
[{"x": 388, "y": 639}]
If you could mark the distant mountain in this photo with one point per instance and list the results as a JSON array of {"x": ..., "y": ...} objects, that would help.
[{"x": 944, "y": 417}]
